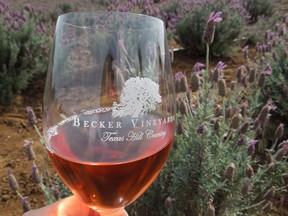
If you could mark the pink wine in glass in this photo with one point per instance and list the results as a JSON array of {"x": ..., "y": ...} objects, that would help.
[{"x": 109, "y": 170}]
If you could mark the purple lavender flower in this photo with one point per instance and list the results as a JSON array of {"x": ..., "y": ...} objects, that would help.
[
  {"x": 245, "y": 51},
  {"x": 178, "y": 75},
  {"x": 32, "y": 120},
  {"x": 267, "y": 72},
  {"x": 221, "y": 65},
  {"x": 218, "y": 111},
  {"x": 241, "y": 140},
  {"x": 240, "y": 72},
  {"x": 201, "y": 129},
  {"x": 221, "y": 87},
  {"x": 286, "y": 50},
  {"x": 36, "y": 175},
  {"x": 286, "y": 19},
  {"x": 210, "y": 211},
  {"x": 230, "y": 172},
  {"x": 281, "y": 153},
  {"x": 251, "y": 147},
  {"x": 268, "y": 155},
  {"x": 246, "y": 188},
  {"x": 268, "y": 196},
  {"x": 169, "y": 202},
  {"x": 25, "y": 204},
  {"x": 216, "y": 125},
  {"x": 279, "y": 131},
  {"x": 261, "y": 80},
  {"x": 13, "y": 184},
  {"x": 3, "y": 7},
  {"x": 198, "y": 67},
  {"x": 183, "y": 107},
  {"x": 269, "y": 46},
  {"x": 194, "y": 82},
  {"x": 283, "y": 144},
  {"x": 183, "y": 84},
  {"x": 232, "y": 85},
  {"x": 249, "y": 171},
  {"x": 268, "y": 34},
  {"x": 29, "y": 150},
  {"x": 208, "y": 35},
  {"x": 252, "y": 75},
  {"x": 215, "y": 17},
  {"x": 235, "y": 121},
  {"x": 244, "y": 127},
  {"x": 55, "y": 192},
  {"x": 263, "y": 115},
  {"x": 243, "y": 81},
  {"x": 280, "y": 202},
  {"x": 180, "y": 128}
]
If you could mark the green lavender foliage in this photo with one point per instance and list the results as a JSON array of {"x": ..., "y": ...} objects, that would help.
[
  {"x": 61, "y": 187},
  {"x": 185, "y": 20},
  {"x": 190, "y": 27},
  {"x": 61, "y": 8},
  {"x": 196, "y": 171},
  {"x": 65, "y": 7},
  {"x": 104, "y": 2},
  {"x": 276, "y": 85},
  {"x": 23, "y": 51},
  {"x": 21, "y": 58},
  {"x": 257, "y": 8},
  {"x": 251, "y": 32}
]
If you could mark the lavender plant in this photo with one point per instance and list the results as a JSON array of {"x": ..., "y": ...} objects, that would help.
[
  {"x": 185, "y": 20},
  {"x": 52, "y": 191},
  {"x": 14, "y": 186},
  {"x": 272, "y": 54},
  {"x": 257, "y": 8},
  {"x": 23, "y": 49},
  {"x": 191, "y": 23},
  {"x": 220, "y": 164}
]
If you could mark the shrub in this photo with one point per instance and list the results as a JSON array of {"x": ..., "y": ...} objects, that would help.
[
  {"x": 191, "y": 23},
  {"x": 221, "y": 163},
  {"x": 65, "y": 7},
  {"x": 104, "y": 2},
  {"x": 186, "y": 20},
  {"x": 257, "y": 8},
  {"x": 275, "y": 56},
  {"x": 23, "y": 52},
  {"x": 137, "y": 6},
  {"x": 251, "y": 32},
  {"x": 61, "y": 8}
]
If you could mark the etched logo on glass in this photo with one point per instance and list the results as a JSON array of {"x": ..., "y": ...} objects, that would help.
[{"x": 139, "y": 96}]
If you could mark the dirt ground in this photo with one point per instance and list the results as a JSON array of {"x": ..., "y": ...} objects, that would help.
[{"x": 14, "y": 129}]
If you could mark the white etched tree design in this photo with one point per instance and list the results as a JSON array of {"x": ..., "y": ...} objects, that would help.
[{"x": 139, "y": 95}]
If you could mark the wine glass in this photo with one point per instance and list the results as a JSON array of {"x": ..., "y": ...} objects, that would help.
[{"x": 109, "y": 108}]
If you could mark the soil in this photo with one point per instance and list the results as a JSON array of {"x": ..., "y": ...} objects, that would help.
[{"x": 14, "y": 129}]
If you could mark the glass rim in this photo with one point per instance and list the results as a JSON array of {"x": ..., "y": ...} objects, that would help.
[{"x": 63, "y": 19}]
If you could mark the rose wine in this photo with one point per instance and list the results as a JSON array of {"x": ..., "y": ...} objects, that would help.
[{"x": 105, "y": 164}]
